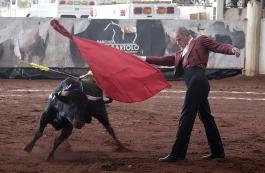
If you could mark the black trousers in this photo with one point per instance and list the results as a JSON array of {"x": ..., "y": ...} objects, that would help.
[{"x": 196, "y": 101}]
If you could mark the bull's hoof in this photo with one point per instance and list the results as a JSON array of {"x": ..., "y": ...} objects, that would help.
[
  {"x": 122, "y": 148},
  {"x": 50, "y": 158},
  {"x": 28, "y": 148}
]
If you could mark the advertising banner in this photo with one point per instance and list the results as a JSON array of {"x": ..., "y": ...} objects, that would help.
[{"x": 26, "y": 40}]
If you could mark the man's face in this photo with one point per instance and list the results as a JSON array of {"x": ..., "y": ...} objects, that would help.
[{"x": 182, "y": 40}]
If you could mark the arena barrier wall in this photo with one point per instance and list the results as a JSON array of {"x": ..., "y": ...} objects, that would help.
[{"x": 25, "y": 40}]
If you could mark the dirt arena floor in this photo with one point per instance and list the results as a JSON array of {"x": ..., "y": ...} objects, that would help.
[{"x": 148, "y": 129}]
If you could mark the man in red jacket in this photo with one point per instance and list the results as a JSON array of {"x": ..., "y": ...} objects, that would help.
[{"x": 191, "y": 61}]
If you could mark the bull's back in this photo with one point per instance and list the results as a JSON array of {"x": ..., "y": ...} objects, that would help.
[{"x": 90, "y": 87}]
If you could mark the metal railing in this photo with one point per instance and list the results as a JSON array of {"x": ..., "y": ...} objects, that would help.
[
  {"x": 206, "y": 3},
  {"x": 236, "y": 3}
]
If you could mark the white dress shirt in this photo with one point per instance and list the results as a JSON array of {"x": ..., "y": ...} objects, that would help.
[{"x": 185, "y": 50}]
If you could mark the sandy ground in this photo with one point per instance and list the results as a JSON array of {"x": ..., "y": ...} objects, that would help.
[{"x": 148, "y": 129}]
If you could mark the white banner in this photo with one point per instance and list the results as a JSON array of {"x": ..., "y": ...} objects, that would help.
[{"x": 33, "y": 40}]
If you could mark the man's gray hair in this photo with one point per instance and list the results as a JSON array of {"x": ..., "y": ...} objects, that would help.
[{"x": 183, "y": 31}]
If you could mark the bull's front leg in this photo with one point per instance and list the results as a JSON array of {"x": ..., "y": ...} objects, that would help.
[
  {"x": 64, "y": 134},
  {"x": 41, "y": 126},
  {"x": 30, "y": 145}
]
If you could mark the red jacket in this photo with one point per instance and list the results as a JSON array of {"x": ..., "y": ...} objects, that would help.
[{"x": 198, "y": 53}]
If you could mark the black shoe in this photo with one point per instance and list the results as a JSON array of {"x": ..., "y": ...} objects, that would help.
[
  {"x": 213, "y": 156},
  {"x": 170, "y": 158}
]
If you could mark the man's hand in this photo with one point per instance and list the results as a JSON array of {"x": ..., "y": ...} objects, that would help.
[
  {"x": 236, "y": 51},
  {"x": 143, "y": 58}
]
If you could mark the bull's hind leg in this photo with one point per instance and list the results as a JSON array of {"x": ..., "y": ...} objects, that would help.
[
  {"x": 104, "y": 120},
  {"x": 41, "y": 126},
  {"x": 63, "y": 135}
]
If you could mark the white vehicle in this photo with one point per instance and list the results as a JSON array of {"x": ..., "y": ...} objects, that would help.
[
  {"x": 134, "y": 9},
  {"x": 105, "y": 9},
  {"x": 60, "y": 8}
]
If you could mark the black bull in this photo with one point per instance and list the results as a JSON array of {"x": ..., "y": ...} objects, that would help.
[{"x": 72, "y": 104}]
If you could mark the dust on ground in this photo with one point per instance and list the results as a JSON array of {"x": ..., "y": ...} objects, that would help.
[{"x": 148, "y": 129}]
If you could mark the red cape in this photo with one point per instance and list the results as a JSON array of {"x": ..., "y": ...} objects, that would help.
[{"x": 122, "y": 76}]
